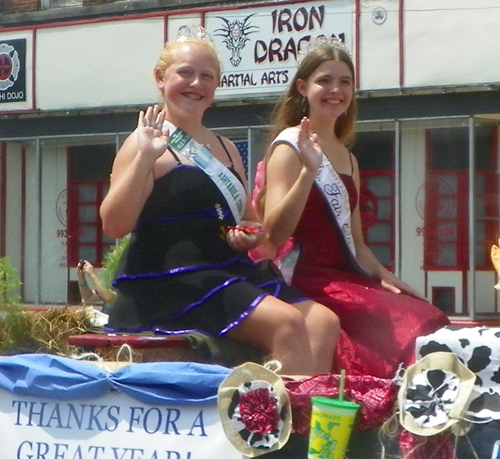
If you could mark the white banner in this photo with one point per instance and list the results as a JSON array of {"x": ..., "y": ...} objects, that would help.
[
  {"x": 258, "y": 46},
  {"x": 113, "y": 426}
]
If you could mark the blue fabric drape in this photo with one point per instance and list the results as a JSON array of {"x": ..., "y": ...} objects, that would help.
[
  {"x": 53, "y": 377},
  {"x": 167, "y": 382}
]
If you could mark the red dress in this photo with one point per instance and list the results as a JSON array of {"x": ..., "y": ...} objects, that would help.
[{"x": 379, "y": 327}]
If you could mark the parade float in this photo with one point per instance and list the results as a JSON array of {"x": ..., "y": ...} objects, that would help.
[{"x": 71, "y": 391}]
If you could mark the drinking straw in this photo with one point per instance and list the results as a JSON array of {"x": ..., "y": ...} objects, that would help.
[{"x": 341, "y": 386}]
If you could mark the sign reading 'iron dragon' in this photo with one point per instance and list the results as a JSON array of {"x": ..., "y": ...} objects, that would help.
[{"x": 258, "y": 46}]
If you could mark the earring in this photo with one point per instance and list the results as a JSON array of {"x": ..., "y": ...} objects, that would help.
[{"x": 303, "y": 105}]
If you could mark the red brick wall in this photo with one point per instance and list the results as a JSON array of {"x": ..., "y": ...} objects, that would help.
[
  {"x": 19, "y": 6},
  {"x": 25, "y": 6}
]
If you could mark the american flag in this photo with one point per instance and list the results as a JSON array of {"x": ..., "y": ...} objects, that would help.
[{"x": 242, "y": 146}]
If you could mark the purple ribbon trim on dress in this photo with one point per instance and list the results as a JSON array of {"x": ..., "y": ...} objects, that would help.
[
  {"x": 153, "y": 325},
  {"x": 245, "y": 314},
  {"x": 159, "y": 331},
  {"x": 277, "y": 287},
  {"x": 206, "y": 296},
  {"x": 182, "y": 269}
]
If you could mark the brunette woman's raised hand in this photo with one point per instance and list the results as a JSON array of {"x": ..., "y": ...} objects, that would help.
[{"x": 309, "y": 146}]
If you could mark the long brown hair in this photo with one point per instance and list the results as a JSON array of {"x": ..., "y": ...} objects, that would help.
[{"x": 290, "y": 108}]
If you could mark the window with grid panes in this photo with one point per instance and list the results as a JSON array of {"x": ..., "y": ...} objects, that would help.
[
  {"x": 89, "y": 167},
  {"x": 447, "y": 202},
  {"x": 375, "y": 152}
]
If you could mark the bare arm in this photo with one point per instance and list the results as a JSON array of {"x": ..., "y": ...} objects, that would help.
[
  {"x": 89, "y": 296},
  {"x": 289, "y": 179},
  {"x": 132, "y": 175},
  {"x": 107, "y": 295}
]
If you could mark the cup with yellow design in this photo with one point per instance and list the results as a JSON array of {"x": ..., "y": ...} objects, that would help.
[{"x": 331, "y": 426}]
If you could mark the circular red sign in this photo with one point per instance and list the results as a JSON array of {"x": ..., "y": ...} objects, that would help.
[{"x": 5, "y": 66}]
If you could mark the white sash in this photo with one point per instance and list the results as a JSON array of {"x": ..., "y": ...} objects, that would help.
[
  {"x": 229, "y": 185},
  {"x": 332, "y": 188}
]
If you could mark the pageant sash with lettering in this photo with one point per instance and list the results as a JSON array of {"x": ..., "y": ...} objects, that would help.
[
  {"x": 228, "y": 184},
  {"x": 337, "y": 197}
]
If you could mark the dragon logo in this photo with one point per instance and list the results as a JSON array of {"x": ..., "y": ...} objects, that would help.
[
  {"x": 235, "y": 35},
  {"x": 9, "y": 66}
]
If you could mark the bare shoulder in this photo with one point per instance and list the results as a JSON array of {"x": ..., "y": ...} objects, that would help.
[
  {"x": 283, "y": 154},
  {"x": 231, "y": 147}
]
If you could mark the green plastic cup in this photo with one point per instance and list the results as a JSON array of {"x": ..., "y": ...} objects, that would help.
[{"x": 331, "y": 426}]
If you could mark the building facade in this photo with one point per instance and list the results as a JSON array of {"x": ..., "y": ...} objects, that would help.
[{"x": 74, "y": 73}]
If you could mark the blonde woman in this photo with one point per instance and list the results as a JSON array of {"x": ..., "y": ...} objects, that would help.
[{"x": 180, "y": 190}]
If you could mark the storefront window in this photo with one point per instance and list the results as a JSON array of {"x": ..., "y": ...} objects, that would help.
[
  {"x": 46, "y": 4},
  {"x": 447, "y": 203},
  {"x": 88, "y": 182},
  {"x": 446, "y": 191},
  {"x": 454, "y": 185},
  {"x": 486, "y": 193},
  {"x": 53, "y": 189},
  {"x": 375, "y": 154}
]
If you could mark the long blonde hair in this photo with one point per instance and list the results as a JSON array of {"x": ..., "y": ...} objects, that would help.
[{"x": 290, "y": 109}]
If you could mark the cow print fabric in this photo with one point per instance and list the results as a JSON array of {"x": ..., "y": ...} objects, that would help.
[
  {"x": 430, "y": 397},
  {"x": 479, "y": 349}
]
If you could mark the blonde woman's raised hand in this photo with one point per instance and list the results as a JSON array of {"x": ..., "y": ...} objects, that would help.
[
  {"x": 309, "y": 146},
  {"x": 151, "y": 137}
]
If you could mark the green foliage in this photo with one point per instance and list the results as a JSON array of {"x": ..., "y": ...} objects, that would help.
[
  {"x": 9, "y": 282},
  {"x": 13, "y": 323},
  {"x": 15, "y": 330},
  {"x": 44, "y": 330},
  {"x": 110, "y": 262}
]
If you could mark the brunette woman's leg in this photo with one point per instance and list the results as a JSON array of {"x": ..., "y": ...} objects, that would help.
[
  {"x": 323, "y": 326},
  {"x": 288, "y": 333}
]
